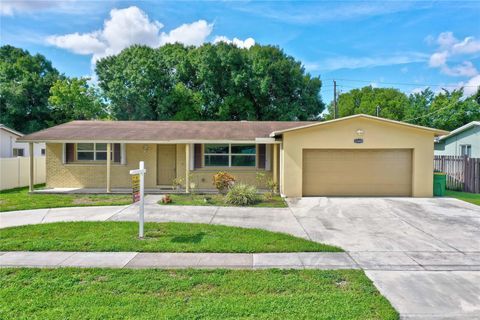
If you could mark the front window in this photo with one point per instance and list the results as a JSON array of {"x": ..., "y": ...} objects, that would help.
[
  {"x": 92, "y": 151},
  {"x": 466, "y": 150},
  {"x": 230, "y": 155},
  {"x": 243, "y": 155},
  {"x": 17, "y": 152}
]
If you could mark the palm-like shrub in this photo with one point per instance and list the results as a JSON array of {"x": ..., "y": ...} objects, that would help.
[
  {"x": 241, "y": 195},
  {"x": 223, "y": 181}
]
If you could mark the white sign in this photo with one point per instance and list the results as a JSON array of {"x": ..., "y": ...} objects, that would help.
[{"x": 141, "y": 172}]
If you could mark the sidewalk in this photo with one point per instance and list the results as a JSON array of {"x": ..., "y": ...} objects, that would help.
[{"x": 300, "y": 260}]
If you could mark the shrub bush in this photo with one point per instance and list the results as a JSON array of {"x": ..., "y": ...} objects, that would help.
[
  {"x": 242, "y": 195},
  {"x": 177, "y": 183},
  {"x": 223, "y": 181},
  {"x": 264, "y": 181},
  {"x": 267, "y": 196},
  {"x": 166, "y": 199}
]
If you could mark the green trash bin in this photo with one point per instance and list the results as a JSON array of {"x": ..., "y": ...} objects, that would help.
[{"x": 439, "y": 184}]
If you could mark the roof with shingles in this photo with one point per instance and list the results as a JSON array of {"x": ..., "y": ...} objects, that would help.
[{"x": 97, "y": 130}]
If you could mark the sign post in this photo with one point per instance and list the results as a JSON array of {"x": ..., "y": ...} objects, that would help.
[{"x": 138, "y": 190}]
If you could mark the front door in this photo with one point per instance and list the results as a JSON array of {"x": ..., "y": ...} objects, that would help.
[{"x": 166, "y": 158}]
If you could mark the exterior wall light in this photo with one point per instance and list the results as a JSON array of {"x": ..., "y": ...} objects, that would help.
[
  {"x": 360, "y": 132},
  {"x": 145, "y": 148}
]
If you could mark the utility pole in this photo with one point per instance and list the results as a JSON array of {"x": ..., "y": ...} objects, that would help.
[
  {"x": 335, "y": 109},
  {"x": 378, "y": 111}
]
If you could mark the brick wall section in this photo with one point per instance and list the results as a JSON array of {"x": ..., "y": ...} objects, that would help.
[
  {"x": 61, "y": 175},
  {"x": 204, "y": 177}
]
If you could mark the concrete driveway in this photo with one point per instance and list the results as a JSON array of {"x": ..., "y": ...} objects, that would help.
[{"x": 422, "y": 254}]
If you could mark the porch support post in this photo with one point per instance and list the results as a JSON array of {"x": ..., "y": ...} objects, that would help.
[
  {"x": 187, "y": 168},
  {"x": 109, "y": 162},
  {"x": 275, "y": 164},
  {"x": 31, "y": 177}
]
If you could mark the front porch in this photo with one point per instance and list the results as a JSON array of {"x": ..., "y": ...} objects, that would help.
[{"x": 103, "y": 168}]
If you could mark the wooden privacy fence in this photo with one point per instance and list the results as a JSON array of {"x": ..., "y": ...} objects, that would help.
[
  {"x": 15, "y": 172},
  {"x": 463, "y": 173}
]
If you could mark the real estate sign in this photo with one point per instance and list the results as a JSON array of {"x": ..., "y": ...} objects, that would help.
[{"x": 136, "y": 187}]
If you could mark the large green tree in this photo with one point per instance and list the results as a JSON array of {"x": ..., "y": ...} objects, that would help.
[
  {"x": 445, "y": 110},
  {"x": 136, "y": 83},
  {"x": 450, "y": 110},
  {"x": 25, "y": 82},
  {"x": 74, "y": 99},
  {"x": 210, "y": 82},
  {"x": 389, "y": 101}
]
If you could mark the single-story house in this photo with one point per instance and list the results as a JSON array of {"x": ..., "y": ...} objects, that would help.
[
  {"x": 463, "y": 141},
  {"x": 10, "y": 147},
  {"x": 359, "y": 155}
]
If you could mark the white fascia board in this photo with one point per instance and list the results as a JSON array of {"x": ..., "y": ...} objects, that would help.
[
  {"x": 145, "y": 141},
  {"x": 266, "y": 140}
]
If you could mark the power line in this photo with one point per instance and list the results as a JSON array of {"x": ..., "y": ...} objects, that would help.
[
  {"x": 428, "y": 114},
  {"x": 403, "y": 83}
]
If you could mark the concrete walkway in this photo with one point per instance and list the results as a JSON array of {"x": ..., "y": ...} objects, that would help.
[
  {"x": 300, "y": 260},
  {"x": 273, "y": 219}
]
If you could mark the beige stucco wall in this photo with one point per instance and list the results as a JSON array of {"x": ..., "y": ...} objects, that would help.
[
  {"x": 340, "y": 135},
  {"x": 80, "y": 175}
]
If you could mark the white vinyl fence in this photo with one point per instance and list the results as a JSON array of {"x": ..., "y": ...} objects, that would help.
[{"x": 14, "y": 172}]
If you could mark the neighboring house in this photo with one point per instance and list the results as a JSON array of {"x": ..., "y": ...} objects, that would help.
[
  {"x": 463, "y": 141},
  {"x": 359, "y": 155},
  {"x": 9, "y": 147}
]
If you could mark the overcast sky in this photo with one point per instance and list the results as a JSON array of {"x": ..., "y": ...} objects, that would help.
[{"x": 407, "y": 45}]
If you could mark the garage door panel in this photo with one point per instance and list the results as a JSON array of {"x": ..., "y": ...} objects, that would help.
[{"x": 385, "y": 172}]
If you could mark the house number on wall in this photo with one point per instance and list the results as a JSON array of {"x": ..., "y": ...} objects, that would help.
[{"x": 358, "y": 140}]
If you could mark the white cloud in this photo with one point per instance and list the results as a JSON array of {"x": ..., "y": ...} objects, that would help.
[
  {"x": 247, "y": 43},
  {"x": 438, "y": 59},
  {"x": 87, "y": 43},
  {"x": 70, "y": 7},
  {"x": 129, "y": 26},
  {"x": 471, "y": 86},
  {"x": 466, "y": 69},
  {"x": 10, "y": 7},
  {"x": 446, "y": 39},
  {"x": 468, "y": 46},
  {"x": 343, "y": 62},
  {"x": 448, "y": 47},
  {"x": 190, "y": 34},
  {"x": 314, "y": 12},
  {"x": 124, "y": 28}
]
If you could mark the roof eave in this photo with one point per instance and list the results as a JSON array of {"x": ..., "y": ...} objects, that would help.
[
  {"x": 15, "y": 132},
  {"x": 183, "y": 141},
  {"x": 460, "y": 130},
  {"x": 437, "y": 132}
]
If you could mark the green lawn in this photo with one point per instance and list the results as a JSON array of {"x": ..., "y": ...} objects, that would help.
[
  {"x": 465, "y": 196},
  {"x": 20, "y": 199},
  {"x": 218, "y": 200},
  {"x": 189, "y": 294},
  {"x": 159, "y": 237}
]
